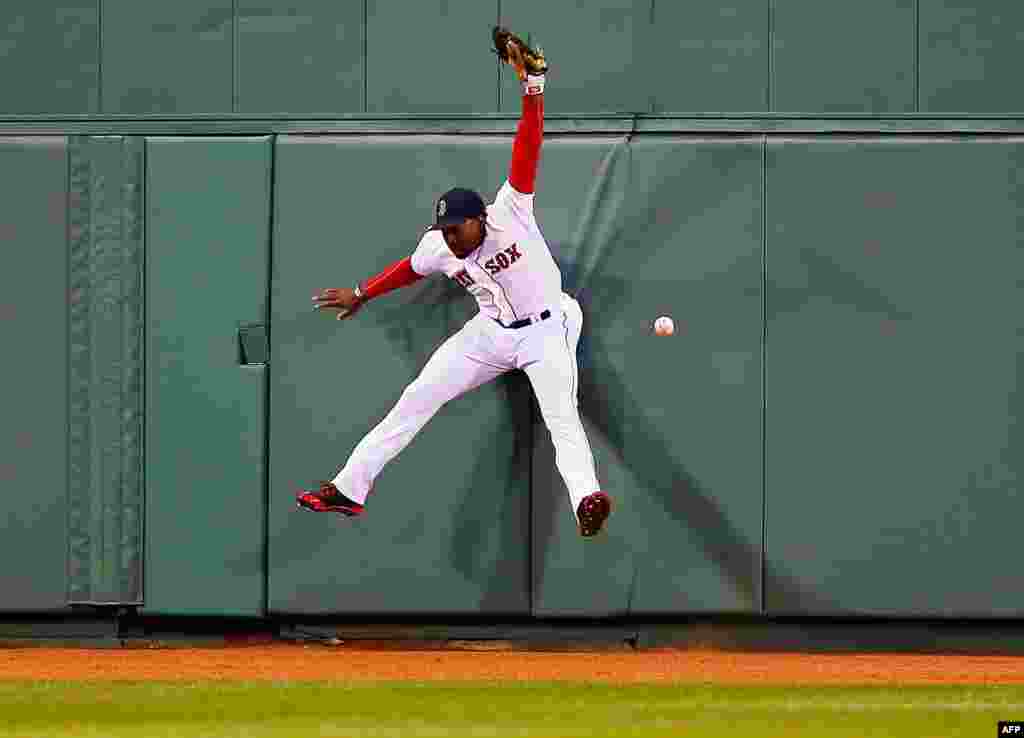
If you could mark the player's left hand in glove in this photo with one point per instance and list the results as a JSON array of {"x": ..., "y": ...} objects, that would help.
[
  {"x": 512, "y": 50},
  {"x": 343, "y": 299}
]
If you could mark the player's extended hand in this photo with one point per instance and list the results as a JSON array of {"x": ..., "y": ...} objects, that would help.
[{"x": 342, "y": 299}]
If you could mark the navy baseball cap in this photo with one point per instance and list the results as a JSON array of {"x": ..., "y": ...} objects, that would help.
[{"x": 456, "y": 205}]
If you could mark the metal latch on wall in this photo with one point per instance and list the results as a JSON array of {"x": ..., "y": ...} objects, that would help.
[{"x": 253, "y": 347}]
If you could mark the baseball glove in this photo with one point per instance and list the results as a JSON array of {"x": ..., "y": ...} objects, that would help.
[{"x": 533, "y": 58}]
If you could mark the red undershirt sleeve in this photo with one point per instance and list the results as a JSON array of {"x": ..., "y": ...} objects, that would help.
[
  {"x": 526, "y": 147},
  {"x": 399, "y": 274}
]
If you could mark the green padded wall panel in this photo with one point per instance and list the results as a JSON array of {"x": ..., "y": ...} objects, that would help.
[
  {"x": 836, "y": 56},
  {"x": 400, "y": 79},
  {"x": 970, "y": 55},
  {"x": 105, "y": 369},
  {"x": 894, "y": 341},
  {"x": 580, "y": 80},
  {"x": 708, "y": 56},
  {"x": 301, "y": 57},
  {"x": 665, "y": 226},
  {"x": 208, "y": 251},
  {"x": 33, "y": 333},
  {"x": 161, "y": 57},
  {"x": 55, "y": 52},
  {"x": 447, "y": 525}
]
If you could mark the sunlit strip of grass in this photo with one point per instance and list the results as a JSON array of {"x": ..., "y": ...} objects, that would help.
[{"x": 273, "y": 709}]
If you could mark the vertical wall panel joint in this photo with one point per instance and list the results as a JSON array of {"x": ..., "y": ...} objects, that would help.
[
  {"x": 764, "y": 353},
  {"x": 99, "y": 62},
  {"x": 271, "y": 220},
  {"x": 917, "y": 56},
  {"x": 649, "y": 55},
  {"x": 771, "y": 54},
  {"x": 366, "y": 57},
  {"x": 67, "y": 375},
  {"x": 498, "y": 65},
  {"x": 234, "y": 56}
]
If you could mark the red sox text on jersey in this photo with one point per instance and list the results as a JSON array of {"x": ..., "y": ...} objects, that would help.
[{"x": 494, "y": 265}]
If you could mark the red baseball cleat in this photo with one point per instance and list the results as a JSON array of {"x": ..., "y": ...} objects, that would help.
[
  {"x": 593, "y": 510},
  {"x": 328, "y": 499}
]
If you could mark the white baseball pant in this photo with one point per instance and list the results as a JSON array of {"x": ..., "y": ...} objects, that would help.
[{"x": 479, "y": 352}]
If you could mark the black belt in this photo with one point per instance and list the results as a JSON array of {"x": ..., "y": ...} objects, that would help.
[{"x": 525, "y": 321}]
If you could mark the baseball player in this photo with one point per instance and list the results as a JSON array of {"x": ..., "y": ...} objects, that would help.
[{"x": 525, "y": 321}]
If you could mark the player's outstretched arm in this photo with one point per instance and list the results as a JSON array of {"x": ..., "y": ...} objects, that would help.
[
  {"x": 530, "y": 129},
  {"x": 347, "y": 301}
]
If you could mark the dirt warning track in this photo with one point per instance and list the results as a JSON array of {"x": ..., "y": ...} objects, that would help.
[{"x": 311, "y": 662}]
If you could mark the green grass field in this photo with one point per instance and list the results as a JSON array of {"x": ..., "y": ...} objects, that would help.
[{"x": 301, "y": 709}]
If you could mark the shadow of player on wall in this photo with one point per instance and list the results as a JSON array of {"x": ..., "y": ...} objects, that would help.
[
  {"x": 611, "y": 227},
  {"x": 486, "y": 546}
]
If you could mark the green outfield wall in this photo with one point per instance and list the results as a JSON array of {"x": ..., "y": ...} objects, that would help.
[
  {"x": 315, "y": 58},
  {"x": 827, "y": 198}
]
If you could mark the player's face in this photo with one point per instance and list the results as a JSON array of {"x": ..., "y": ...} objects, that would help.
[{"x": 463, "y": 238}]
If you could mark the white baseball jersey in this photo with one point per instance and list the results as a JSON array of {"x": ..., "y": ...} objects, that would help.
[{"x": 512, "y": 273}]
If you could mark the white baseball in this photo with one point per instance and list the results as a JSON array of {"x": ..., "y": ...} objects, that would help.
[{"x": 664, "y": 326}]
